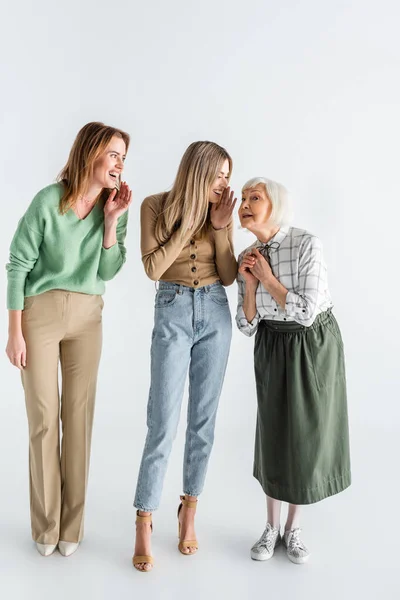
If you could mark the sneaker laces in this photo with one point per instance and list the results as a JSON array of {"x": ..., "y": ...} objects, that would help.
[
  {"x": 296, "y": 546},
  {"x": 268, "y": 538}
]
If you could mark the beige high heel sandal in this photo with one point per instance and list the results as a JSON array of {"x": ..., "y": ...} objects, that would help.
[
  {"x": 186, "y": 543},
  {"x": 143, "y": 559}
]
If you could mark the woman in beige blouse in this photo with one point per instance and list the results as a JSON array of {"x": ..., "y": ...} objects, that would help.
[{"x": 186, "y": 243}]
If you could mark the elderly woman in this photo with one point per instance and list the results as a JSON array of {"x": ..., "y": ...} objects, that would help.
[{"x": 302, "y": 442}]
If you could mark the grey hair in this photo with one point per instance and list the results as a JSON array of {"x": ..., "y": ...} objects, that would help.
[{"x": 279, "y": 196}]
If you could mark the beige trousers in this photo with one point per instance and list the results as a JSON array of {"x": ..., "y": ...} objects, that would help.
[{"x": 60, "y": 327}]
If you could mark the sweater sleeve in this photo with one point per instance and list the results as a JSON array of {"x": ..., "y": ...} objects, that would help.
[
  {"x": 112, "y": 259},
  {"x": 24, "y": 252},
  {"x": 224, "y": 255},
  {"x": 157, "y": 258}
]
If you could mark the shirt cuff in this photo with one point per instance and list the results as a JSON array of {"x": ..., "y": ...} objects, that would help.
[
  {"x": 220, "y": 229},
  {"x": 246, "y": 327},
  {"x": 295, "y": 304},
  {"x": 297, "y": 308},
  {"x": 220, "y": 234}
]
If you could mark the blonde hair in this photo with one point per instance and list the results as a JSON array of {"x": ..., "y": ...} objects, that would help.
[
  {"x": 279, "y": 196},
  {"x": 89, "y": 144},
  {"x": 188, "y": 201}
]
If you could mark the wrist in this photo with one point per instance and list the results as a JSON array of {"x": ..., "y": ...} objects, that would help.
[
  {"x": 251, "y": 286},
  {"x": 110, "y": 223},
  {"x": 266, "y": 280},
  {"x": 14, "y": 330},
  {"x": 14, "y": 322}
]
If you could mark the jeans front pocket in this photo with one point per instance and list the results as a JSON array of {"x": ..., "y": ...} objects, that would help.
[
  {"x": 165, "y": 298},
  {"x": 218, "y": 295}
]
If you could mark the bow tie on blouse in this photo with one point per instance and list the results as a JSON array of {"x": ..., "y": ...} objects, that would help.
[{"x": 267, "y": 249}]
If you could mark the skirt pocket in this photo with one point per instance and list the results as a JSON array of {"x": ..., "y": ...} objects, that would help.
[{"x": 327, "y": 356}]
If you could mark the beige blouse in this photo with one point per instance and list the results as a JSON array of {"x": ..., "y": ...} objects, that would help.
[{"x": 192, "y": 262}]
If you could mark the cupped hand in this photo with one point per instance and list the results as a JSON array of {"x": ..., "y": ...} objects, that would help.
[
  {"x": 118, "y": 202},
  {"x": 221, "y": 212}
]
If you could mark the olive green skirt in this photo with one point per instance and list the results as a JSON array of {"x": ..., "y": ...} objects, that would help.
[{"x": 302, "y": 437}]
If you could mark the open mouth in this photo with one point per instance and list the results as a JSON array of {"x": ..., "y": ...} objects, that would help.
[
  {"x": 246, "y": 216},
  {"x": 115, "y": 177},
  {"x": 218, "y": 192}
]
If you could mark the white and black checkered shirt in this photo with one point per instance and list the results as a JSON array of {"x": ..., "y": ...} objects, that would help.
[{"x": 296, "y": 261}]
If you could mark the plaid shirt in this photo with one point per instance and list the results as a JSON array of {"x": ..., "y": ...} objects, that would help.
[{"x": 296, "y": 261}]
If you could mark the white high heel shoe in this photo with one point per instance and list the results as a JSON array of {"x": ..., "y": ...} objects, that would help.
[
  {"x": 67, "y": 548},
  {"x": 46, "y": 549}
]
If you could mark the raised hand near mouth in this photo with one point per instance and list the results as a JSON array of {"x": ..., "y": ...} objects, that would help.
[
  {"x": 118, "y": 202},
  {"x": 221, "y": 212}
]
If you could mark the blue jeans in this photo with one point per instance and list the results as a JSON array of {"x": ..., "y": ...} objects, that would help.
[{"x": 192, "y": 330}]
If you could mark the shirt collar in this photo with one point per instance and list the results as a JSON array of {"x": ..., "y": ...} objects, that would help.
[{"x": 274, "y": 242}]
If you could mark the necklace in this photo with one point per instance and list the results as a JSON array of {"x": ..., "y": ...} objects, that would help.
[{"x": 87, "y": 203}]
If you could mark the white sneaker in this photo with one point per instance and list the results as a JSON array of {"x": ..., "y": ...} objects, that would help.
[
  {"x": 46, "y": 549},
  {"x": 264, "y": 548},
  {"x": 67, "y": 548},
  {"x": 296, "y": 550}
]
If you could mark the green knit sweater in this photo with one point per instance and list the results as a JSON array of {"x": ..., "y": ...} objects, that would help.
[{"x": 53, "y": 251}]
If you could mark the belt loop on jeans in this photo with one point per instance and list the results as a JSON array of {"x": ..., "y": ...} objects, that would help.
[
  {"x": 180, "y": 290},
  {"x": 156, "y": 285}
]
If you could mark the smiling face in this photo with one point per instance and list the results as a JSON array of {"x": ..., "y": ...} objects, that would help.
[
  {"x": 255, "y": 208},
  {"x": 220, "y": 183},
  {"x": 109, "y": 166}
]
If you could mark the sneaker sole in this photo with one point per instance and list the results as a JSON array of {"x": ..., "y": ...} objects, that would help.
[
  {"x": 298, "y": 561},
  {"x": 255, "y": 556}
]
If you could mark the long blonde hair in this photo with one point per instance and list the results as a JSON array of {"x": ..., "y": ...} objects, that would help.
[
  {"x": 188, "y": 200},
  {"x": 89, "y": 144}
]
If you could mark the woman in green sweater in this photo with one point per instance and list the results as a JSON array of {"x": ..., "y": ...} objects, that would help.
[{"x": 69, "y": 241}]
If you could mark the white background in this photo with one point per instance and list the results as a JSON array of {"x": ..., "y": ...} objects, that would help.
[{"x": 304, "y": 92}]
